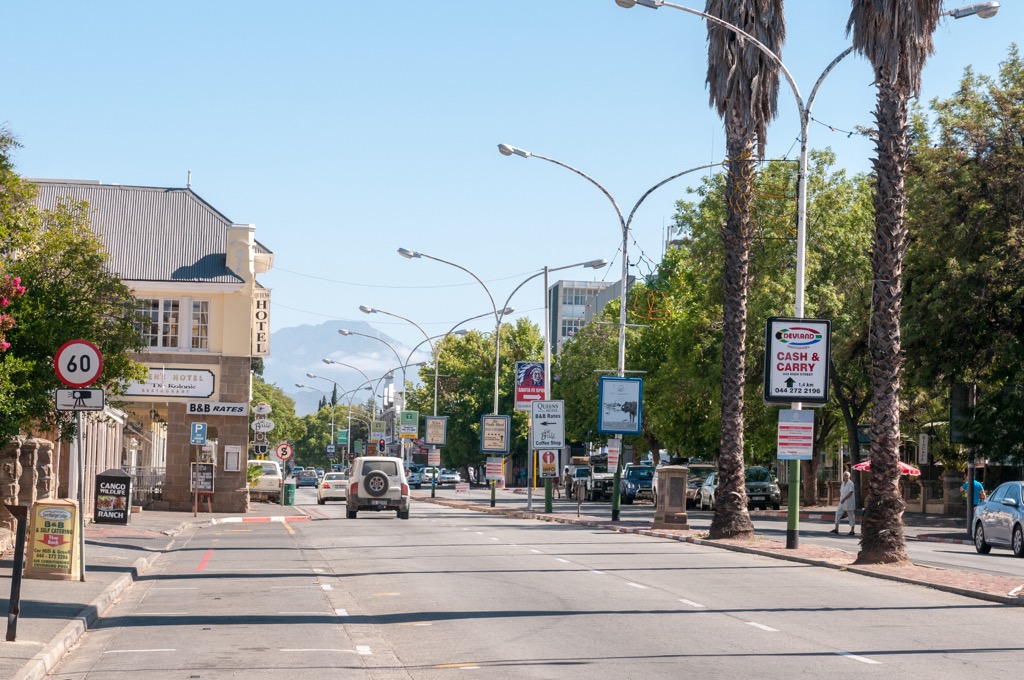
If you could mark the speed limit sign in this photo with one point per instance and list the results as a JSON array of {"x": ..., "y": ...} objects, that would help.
[{"x": 78, "y": 363}]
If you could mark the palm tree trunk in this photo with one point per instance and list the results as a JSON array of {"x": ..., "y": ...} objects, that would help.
[
  {"x": 731, "y": 519},
  {"x": 882, "y": 527}
]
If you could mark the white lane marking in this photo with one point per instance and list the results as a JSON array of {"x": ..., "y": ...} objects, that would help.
[
  {"x": 761, "y": 626},
  {"x": 495, "y": 539},
  {"x": 595, "y": 571},
  {"x": 559, "y": 559},
  {"x": 137, "y": 651},
  {"x": 311, "y": 585},
  {"x": 635, "y": 585},
  {"x": 301, "y": 613},
  {"x": 314, "y": 649},
  {"x": 166, "y": 588},
  {"x": 363, "y": 650},
  {"x": 341, "y": 612},
  {"x": 534, "y": 550},
  {"x": 697, "y": 605},
  {"x": 326, "y": 586},
  {"x": 858, "y": 658},
  {"x": 480, "y": 533}
]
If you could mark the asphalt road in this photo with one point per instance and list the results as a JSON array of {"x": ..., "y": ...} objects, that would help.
[{"x": 455, "y": 593}]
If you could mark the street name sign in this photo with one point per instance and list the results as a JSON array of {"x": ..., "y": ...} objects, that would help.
[
  {"x": 548, "y": 424},
  {"x": 796, "y": 360}
]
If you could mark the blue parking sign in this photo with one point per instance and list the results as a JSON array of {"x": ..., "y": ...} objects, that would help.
[{"x": 199, "y": 433}]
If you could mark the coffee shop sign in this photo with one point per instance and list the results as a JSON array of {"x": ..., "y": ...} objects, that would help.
[{"x": 174, "y": 382}]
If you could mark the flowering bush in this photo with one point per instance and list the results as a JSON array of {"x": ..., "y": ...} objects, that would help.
[{"x": 10, "y": 288}]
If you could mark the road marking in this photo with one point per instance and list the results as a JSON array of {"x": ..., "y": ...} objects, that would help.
[
  {"x": 327, "y": 649},
  {"x": 595, "y": 571},
  {"x": 495, "y": 539},
  {"x": 137, "y": 651},
  {"x": 385, "y": 594},
  {"x": 1015, "y": 592},
  {"x": 534, "y": 550},
  {"x": 206, "y": 560},
  {"x": 460, "y": 666},
  {"x": 364, "y": 650},
  {"x": 480, "y": 533},
  {"x": 326, "y": 586},
  {"x": 696, "y": 605},
  {"x": 559, "y": 559},
  {"x": 300, "y": 613},
  {"x": 858, "y": 658},
  {"x": 761, "y": 626},
  {"x": 416, "y": 623},
  {"x": 635, "y": 585},
  {"x": 288, "y": 527},
  {"x": 341, "y": 612}
]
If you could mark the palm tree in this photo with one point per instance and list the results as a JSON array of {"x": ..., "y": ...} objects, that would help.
[
  {"x": 744, "y": 85},
  {"x": 896, "y": 37}
]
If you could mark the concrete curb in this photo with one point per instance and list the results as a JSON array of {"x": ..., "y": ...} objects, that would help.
[{"x": 521, "y": 514}]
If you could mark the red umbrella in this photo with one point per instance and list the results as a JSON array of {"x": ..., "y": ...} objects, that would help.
[{"x": 904, "y": 468}]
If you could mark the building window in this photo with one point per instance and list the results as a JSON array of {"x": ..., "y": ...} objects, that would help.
[
  {"x": 159, "y": 323},
  {"x": 570, "y": 326},
  {"x": 201, "y": 324}
]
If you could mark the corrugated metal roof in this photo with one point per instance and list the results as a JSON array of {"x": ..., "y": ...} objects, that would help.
[{"x": 152, "y": 234}]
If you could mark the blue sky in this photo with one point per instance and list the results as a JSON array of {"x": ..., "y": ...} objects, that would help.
[{"x": 344, "y": 130}]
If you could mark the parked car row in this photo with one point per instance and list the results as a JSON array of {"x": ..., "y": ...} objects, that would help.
[{"x": 761, "y": 487}]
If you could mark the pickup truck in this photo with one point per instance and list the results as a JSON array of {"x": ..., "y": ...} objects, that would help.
[{"x": 268, "y": 486}]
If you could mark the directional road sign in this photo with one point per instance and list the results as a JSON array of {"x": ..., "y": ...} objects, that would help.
[{"x": 548, "y": 421}]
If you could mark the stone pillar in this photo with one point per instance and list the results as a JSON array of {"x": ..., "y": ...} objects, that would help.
[
  {"x": 670, "y": 513},
  {"x": 10, "y": 474},
  {"x": 952, "y": 502},
  {"x": 46, "y": 484},
  {"x": 29, "y": 475}
]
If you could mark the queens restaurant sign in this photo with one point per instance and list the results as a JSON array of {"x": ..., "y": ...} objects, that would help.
[{"x": 174, "y": 382}]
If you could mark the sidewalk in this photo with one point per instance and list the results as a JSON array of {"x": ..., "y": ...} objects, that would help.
[{"x": 54, "y": 614}]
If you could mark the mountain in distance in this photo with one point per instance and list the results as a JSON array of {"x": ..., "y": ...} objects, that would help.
[{"x": 298, "y": 350}]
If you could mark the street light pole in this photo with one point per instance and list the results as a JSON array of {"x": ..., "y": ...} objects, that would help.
[
  {"x": 984, "y": 10},
  {"x": 590, "y": 264},
  {"x": 624, "y": 224},
  {"x": 310, "y": 387}
]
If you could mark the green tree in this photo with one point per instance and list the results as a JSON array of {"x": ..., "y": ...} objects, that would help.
[
  {"x": 70, "y": 294},
  {"x": 965, "y": 271}
]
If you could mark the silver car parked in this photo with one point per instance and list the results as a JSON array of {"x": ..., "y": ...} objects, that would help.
[{"x": 999, "y": 520}]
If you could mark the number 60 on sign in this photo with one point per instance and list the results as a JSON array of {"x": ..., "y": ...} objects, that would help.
[{"x": 78, "y": 363}]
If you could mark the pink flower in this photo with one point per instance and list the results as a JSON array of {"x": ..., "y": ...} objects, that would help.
[{"x": 4, "y": 346}]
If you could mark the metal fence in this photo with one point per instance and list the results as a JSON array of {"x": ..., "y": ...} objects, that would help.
[{"x": 147, "y": 484}]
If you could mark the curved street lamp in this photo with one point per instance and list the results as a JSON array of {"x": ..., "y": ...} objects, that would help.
[
  {"x": 317, "y": 389},
  {"x": 589, "y": 264}
]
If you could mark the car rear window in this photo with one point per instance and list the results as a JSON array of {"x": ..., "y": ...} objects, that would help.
[
  {"x": 334, "y": 475},
  {"x": 269, "y": 469},
  {"x": 388, "y": 467}
]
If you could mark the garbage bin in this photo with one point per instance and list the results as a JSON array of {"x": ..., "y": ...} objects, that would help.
[{"x": 289, "y": 492}]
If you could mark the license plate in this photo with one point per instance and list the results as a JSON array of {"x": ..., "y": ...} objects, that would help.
[
  {"x": 757, "y": 498},
  {"x": 378, "y": 502}
]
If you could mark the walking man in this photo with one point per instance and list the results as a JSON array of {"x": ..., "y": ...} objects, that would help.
[{"x": 846, "y": 504}]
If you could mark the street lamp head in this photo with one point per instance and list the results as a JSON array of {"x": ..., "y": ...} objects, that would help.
[
  {"x": 629, "y": 4},
  {"x": 596, "y": 264},
  {"x": 506, "y": 311},
  {"x": 984, "y": 10},
  {"x": 509, "y": 150},
  {"x": 301, "y": 386},
  {"x": 310, "y": 375},
  {"x": 367, "y": 310},
  {"x": 408, "y": 254},
  {"x": 342, "y": 331},
  {"x": 460, "y": 332}
]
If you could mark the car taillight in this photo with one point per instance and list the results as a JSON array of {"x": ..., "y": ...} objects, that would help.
[
  {"x": 405, "y": 489},
  {"x": 327, "y": 485},
  {"x": 355, "y": 488}
]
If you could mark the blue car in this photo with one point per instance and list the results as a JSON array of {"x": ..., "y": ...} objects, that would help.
[{"x": 636, "y": 483}]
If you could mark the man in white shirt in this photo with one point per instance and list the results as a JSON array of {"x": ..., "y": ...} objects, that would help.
[{"x": 847, "y": 504}]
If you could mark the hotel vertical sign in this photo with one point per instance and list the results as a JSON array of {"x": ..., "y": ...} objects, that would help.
[{"x": 261, "y": 322}]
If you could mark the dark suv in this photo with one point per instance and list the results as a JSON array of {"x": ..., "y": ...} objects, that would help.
[
  {"x": 636, "y": 483},
  {"x": 762, "y": 489}
]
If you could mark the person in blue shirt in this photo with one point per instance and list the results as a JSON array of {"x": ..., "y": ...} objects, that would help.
[{"x": 979, "y": 491}]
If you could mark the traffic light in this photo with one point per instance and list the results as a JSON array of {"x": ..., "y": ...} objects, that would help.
[{"x": 380, "y": 445}]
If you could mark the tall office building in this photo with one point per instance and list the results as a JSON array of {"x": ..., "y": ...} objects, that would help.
[{"x": 573, "y": 304}]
